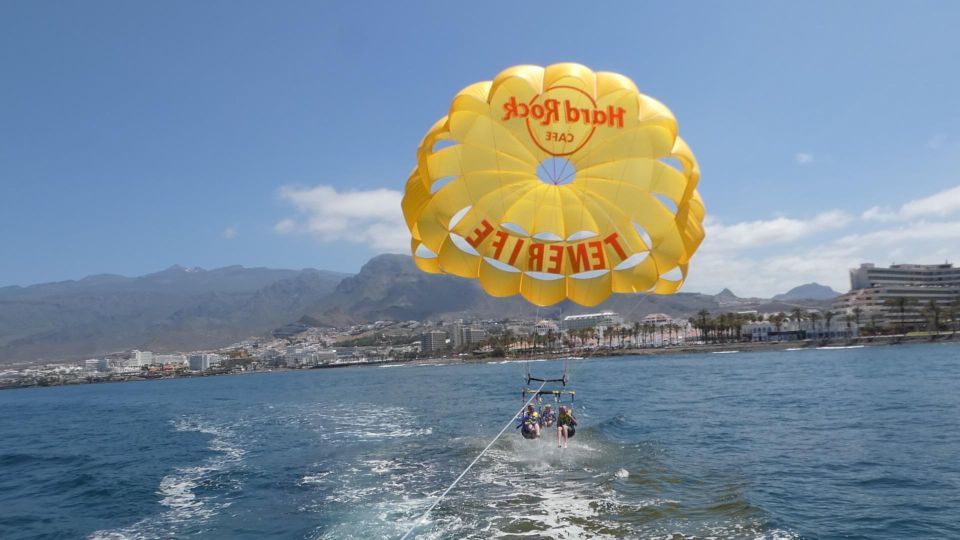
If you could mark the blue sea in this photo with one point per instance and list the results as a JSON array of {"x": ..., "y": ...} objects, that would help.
[{"x": 829, "y": 443}]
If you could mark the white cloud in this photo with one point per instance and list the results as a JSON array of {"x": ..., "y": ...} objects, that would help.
[
  {"x": 230, "y": 232},
  {"x": 826, "y": 262},
  {"x": 941, "y": 204},
  {"x": 371, "y": 217},
  {"x": 774, "y": 231},
  {"x": 809, "y": 258},
  {"x": 920, "y": 232},
  {"x": 766, "y": 275},
  {"x": 803, "y": 158},
  {"x": 822, "y": 248}
]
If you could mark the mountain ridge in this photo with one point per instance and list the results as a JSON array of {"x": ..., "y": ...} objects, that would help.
[
  {"x": 812, "y": 291},
  {"x": 168, "y": 310},
  {"x": 182, "y": 309}
]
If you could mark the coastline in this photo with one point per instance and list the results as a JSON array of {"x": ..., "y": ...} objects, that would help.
[
  {"x": 743, "y": 347},
  {"x": 581, "y": 353}
]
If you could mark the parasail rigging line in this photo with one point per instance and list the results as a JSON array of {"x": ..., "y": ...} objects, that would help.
[{"x": 417, "y": 523}]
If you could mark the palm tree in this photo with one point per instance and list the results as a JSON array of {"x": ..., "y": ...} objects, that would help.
[
  {"x": 955, "y": 314},
  {"x": 814, "y": 319},
  {"x": 733, "y": 329},
  {"x": 857, "y": 311},
  {"x": 507, "y": 340},
  {"x": 874, "y": 319},
  {"x": 798, "y": 317},
  {"x": 828, "y": 316},
  {"x": 577, "y": 335},
  {"x": 900, "y": 303},
  {"x": 703, "y": 315},
  {"x": 933, "y": 312},
  {"x": 777, "y": 321}
]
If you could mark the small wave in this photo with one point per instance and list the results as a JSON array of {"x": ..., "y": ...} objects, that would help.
[
  {"x": 377, "y": 493},
  {"x": 622, "y": 473},
  {"x": 520, "y": 360},
  {"x": 839, "y": 347},
  {"x": 729, "y": 530},
  {"x": 723, "y": 352},
  {"x": 178, "y": 489},
  {"x": 379, "y": 466},
  {"x": 367, "y": 422}
]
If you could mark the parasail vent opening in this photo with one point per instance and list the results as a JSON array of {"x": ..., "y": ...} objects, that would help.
[
  {"x": 556, "y": 171},
  {"x": 439, "y": 183}
]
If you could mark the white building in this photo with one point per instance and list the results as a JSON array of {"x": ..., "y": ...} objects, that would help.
[
  {"x": 668, "y": 330},
  {"x": 599, "y": 321},
  {"x": 140, "y": 358},
  {"x": 545, "y": 326},
  {"x": 456, "y": 334},
  {"x": 434, "y": 340},
  {"x": 657, "y": 319},
  {"x": 472, "y": 336},
  {"x": 758, "y": 331},
  {"x": 838, "y": 328},
  {"x": 174, "y": 359},
  {"x": 306, "y": 357},
  {"x": 873, "y": 290},
  {"x": 767, "y": 330},
  {"x": 204, "y": 361}
]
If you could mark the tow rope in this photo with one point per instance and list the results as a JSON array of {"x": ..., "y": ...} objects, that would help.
[{"x": 417, "y": 523}]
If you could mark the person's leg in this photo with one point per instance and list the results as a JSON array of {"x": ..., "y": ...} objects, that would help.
[{"x": 559, "y": 436}]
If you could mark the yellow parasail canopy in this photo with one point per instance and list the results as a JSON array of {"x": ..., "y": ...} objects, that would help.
[{"x": 556, "y": 183}]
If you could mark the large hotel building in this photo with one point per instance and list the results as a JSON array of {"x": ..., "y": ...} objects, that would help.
[{"x": 872, "y": 288}]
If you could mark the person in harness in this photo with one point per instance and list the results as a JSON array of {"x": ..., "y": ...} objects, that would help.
[
  {"x": 530, "y": 424},
  {"x": 549, "y": 417},
  {"x": 566, "y": 426}
]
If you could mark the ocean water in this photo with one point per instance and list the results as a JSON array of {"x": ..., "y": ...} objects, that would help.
[{"x": 837, "y": 443}]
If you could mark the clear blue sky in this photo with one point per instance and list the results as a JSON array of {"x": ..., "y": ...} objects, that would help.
[{"x": 137, "y": 135}]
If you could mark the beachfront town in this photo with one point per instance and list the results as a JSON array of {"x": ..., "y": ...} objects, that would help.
[{"x": 902, "y": 301}]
